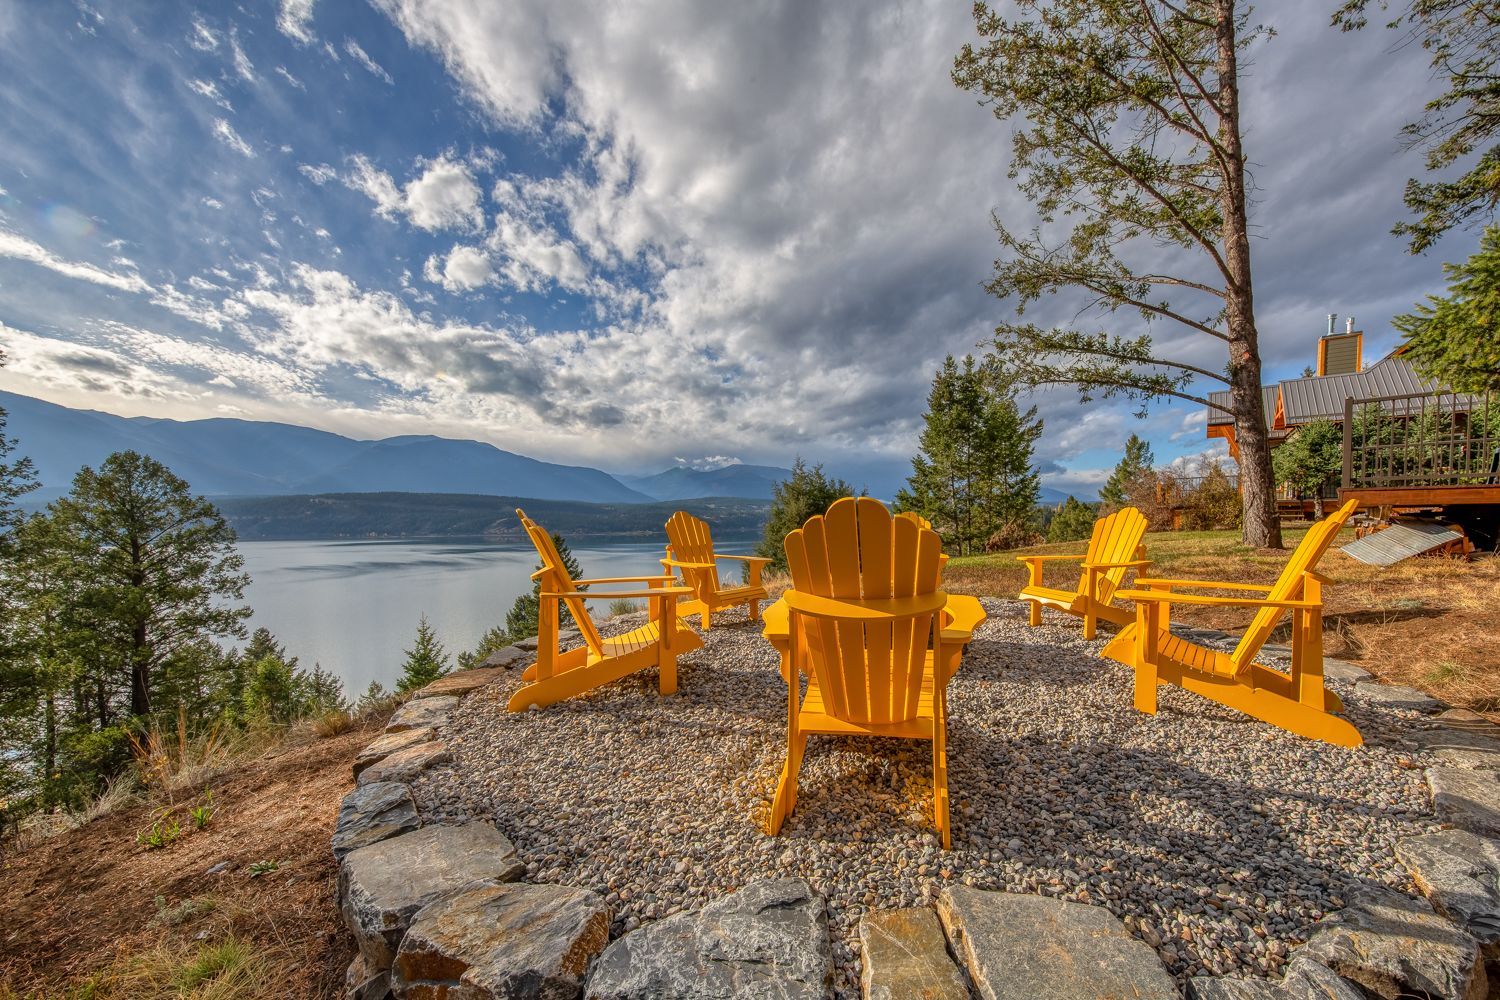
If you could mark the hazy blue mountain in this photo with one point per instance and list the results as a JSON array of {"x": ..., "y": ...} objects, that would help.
[
  {"x": 753, "y": 482},
  {"x": 223, "y": 457}
]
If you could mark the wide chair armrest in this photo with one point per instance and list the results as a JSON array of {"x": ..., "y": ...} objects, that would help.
[
  {"x": 687, "y": 565},
  {"x": 776, "y": 621},
  {"x": 1131, "y": 564},
  {"x": 597, "y": 595},
  {"x": 964, "y": 615},
  {"x": 746, "y": 559},
  {"x": 1166, "y": 597},
  {"x": 1030, "y": 559},
  {"x": 880, "y": 609},
  {"x": 1152, "y": 581},
  {"x": 623, "y": 579}
]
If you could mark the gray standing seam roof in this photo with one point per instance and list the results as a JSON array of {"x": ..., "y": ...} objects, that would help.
[{"x": 1267, "y": 400}]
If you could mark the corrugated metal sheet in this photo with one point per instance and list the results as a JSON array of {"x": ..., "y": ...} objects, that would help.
[
  {"x": 1307, "y": 399},
  {"x": 1400, "y": 541}
]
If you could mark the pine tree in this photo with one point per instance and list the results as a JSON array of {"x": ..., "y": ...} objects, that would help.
[
  {"x": 17, "y": 478},
  {"x": 425, "y": 662},
  {"x": 1136, "y": 462},
  {"x": 808, "y": 492},
  {"x": 1453, "y": 338},
  {"x": 271, "y": 694},
  {"x": 1074, "y": 520},
  {"x": 1310, "y": 458},
  {"x": 523, "y": 620},
  {"x": 973, "y": 478}
]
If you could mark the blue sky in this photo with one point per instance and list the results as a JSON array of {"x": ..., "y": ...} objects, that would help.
[{"x": 623, "y": 238}]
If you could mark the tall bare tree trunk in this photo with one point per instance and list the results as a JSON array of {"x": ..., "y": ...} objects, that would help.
[{"x": 1262, "y": 528}]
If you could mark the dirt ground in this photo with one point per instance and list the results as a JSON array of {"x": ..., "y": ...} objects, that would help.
[
  {"x": 76, "y": 902},
  {"x": 1431, "y": 623}
]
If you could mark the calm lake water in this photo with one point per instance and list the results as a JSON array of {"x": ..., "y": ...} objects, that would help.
[{"x": 353, "y": 605}]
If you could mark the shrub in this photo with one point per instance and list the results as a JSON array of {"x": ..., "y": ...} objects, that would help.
[
  {"x": 1073, "y": 520},
  {"x": 623, "y": 606},
  {"x": 1214, "y": 505}
]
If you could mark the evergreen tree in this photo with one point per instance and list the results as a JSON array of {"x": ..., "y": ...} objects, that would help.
[
  {"x": 272, "y": 695},
  {"x": 321, "y": 691},
  {"x": 17, "y": 478},
  {"x": 1073, "y": 521},
  {"x": 973, "y": 478},
  {"x": 523, "y": 620},
  {"x": 1454, "y": 339},
  {"x": 425, "y": 662},
  {"x": 1136, "y": 462},
  {"x": 159, "y": 567},
  {"x": 1312, "y": 456},
  {"x": 1090, "y": 91},
  {"x": 808, "y": 492}
]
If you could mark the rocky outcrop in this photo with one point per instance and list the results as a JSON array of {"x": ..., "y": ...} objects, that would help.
[
  {"x": 461, "y": 682},
  {"x": 1019, "y": 947},
  {"x": 1459, "y": 873},
  {"x": 1460, "y": 738},
  {"x": 382, "y": 886},
  {"x": 769, "y": 939},
  {"x": 1397, "y": 696},
  {"x": 1304, "y": 980},
  {"x": 404, "y": 765},
  {"x": 371, "y": 813},
  {"x": 1394, "y": 946},
  {"x": 905, "y": 955},
  {"x": 508, "y": 658},
  {"x": 1469, "y": 800},
  {"x": 501, "y": 941},
  {"x": 390, "y": 743},
  {"x": 422, "y": 713}
]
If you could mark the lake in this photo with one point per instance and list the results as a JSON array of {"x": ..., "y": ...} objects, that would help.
[{"x": 353, "y": 606}]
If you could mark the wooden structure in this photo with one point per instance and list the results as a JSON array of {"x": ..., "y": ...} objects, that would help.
[
  {"x": 558, "y": 673},
  {"x": 1296, "y": 701},
  {"x": 1422, "y": 449},
  {"x": 690, "y": 551},
  {"x": 865, "y": 620},
  {"x": 1114, "y": 547}
]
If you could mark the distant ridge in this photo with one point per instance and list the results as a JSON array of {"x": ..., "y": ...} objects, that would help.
[
  {"x": 226, "y": 457},
  {"x": 750, "y": 481}
]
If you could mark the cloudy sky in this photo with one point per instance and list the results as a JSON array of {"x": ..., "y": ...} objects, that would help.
[{"x": 623, "y": 235}]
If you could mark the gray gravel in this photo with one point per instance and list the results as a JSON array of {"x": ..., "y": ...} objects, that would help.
[{"x": 1216, "y": 839}]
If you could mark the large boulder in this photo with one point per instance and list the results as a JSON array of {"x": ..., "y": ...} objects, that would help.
[
  {"x": 1466, "y": 799},
  {"x": 363, "y": 983},
  {"x": 405, "y": 765},
  {"x": 509, "y": 657},
  {"x": 422, "y": 713},
  {"x": 1394, "y": 946},
  {"x": 769, "y": 939},
  {"x": 371, "y": 813},
  {"x": 388, "y": 743},
  {"x": 905, "y": 955},
  {"x": 501, "y": 941},
  {"x": 460, "y": 682},
  {"x": 383, "y": 885},
  {"x": 1459, "y": 873},
  {"x": 1019, "y": 947}
]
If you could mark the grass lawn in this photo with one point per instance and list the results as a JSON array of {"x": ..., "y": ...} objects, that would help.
[{"x": 1431, "y": 623}]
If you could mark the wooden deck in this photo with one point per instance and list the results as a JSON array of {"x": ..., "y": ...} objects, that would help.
[{"x": 1422, "y": 496}]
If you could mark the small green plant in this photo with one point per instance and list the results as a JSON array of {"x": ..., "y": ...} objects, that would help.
[
  {"x": 182, "y": 912},
  {"x": 622, "y": 606},
  {"x": 263, "y": 868},
  {"x": 203, "y": 813},
  {"x": 162, "y": 831}
]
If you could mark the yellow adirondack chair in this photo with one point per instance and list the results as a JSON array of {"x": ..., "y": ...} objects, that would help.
[
  {"x": 691, "y": 552},
  {"x": 1295, "y": 701},
  {"x": 879, "y": 641},
  {"x": 559, "y": 674},
  {"x": 922, "y": 522},
  {"x": 1114, "y": 547}
]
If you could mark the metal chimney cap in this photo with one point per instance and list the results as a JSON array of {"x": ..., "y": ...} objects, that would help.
[
  {"x": 1332, "y": 320},
  {"x": 1349, "y": 325}
]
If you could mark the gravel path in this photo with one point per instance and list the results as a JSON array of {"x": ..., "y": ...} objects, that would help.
[{"x": 1216, "y": 839}]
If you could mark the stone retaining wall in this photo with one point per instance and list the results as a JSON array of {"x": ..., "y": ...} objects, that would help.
[{"x": 439, "y": 911}]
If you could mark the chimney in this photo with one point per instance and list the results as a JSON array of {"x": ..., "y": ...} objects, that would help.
[
  {"x": 1332, "y": 319},
  {"x": 1349, "y": 326}
]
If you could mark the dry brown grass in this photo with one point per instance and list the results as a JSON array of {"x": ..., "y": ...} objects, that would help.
[{"x": 1432, "y": 623}]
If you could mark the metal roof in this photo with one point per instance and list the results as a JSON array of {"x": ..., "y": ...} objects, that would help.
[
  {"x": 1306, "y": 399},
  {"x": 1267, "y": 399}
]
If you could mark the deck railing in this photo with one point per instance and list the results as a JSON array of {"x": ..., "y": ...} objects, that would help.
[{"x": 1422, "y": 439}]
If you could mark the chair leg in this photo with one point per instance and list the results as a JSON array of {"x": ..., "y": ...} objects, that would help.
[
  {"x": 708, "y": 619},
  {"x": 755, "y": 611},
  {"x": 1145, "y": 659},
  {"x": 940, "y": 784},
  {"x": 1090, "y": 625},
  {"x": 786, "y": 791},
  {"x": 1036, "y": 613}
]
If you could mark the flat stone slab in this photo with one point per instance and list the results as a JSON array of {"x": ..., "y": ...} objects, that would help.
[
  {"x": 1467, "y": 799},
  {"x": 1397, "y": 696},
  {"x": 509, "y": 657},
  {"x": 1459, "y": 873},
  {"x": 405, "y": 765},
  {"x": 1394, "y": 946},
  {"x": 1021, "y": 947},
  {"x": 422, "y": 713},
  {"x": 905, "y": 955},
  {"x": 1304, "y": 980},
  {"x": 768, "y": 940},
  {"x": 372, "y": 813},
  {"x": 460, "y": 682},
  {"x": 388, "y": 743},
  {"x": 501, "y": 941},
  {"x": 382, "y": 886},
  {"x": 1460, "y": 738},
  {"x": 1338, "y": 670}
]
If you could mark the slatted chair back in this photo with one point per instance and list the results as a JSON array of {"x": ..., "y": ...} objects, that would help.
[
  {"x": 556, "y": 580},
  {"x": 692, "y": 543},
  {"x": 1116, "y": 539},
  {"x": 1288, "y": 586},
  {"x": 869, "y": 671}
]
